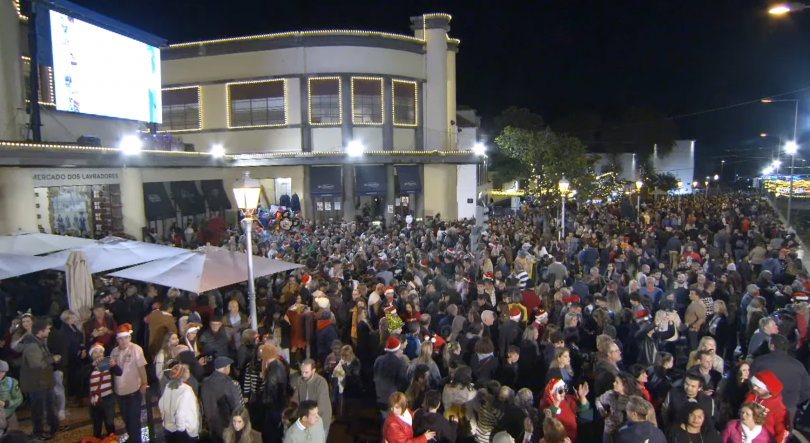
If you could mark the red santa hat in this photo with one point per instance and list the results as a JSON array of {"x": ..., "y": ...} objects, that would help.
[
  {"x": 124, "y": 330},
  {"x": 389, "y": 310},
  {"x": 514, "y": 313},
  {"x": 95, "y": 346},
  {"x": 541, "y": 315},
  {"x": 573, "y": 298},
  {"x": 423, "y": 262},
  {"x": 487, "y": 276},
  {"x": 800, "y": 297},
  {"x": 392, "y": 344},
  {"x": 305, "y": 279},
  {"x": 389, "y": 289},
  {"x": 767, "y": 381},
  {"x": 640, "y": 314}
]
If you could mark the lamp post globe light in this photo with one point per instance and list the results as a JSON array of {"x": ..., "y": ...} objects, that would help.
[
  {"x": 680, "y": 188},
  {"x": 639, "y": 185},
  {"x": 246, "y": 191},
  {"x": 563, "y": 185}
]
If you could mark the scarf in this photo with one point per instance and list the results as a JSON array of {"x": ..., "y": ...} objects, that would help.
[
  {"x": 340, "y": 374},
  {"x": 748, "y": 435}
]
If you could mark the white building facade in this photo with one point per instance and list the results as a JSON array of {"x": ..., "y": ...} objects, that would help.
[
  {"x": 285, "y": 106},
  {"x": 680, "y": 162}
]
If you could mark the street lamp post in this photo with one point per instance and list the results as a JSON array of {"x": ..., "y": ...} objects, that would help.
[
  {"x": 246, "y": 192},
  {"x": 707, "y": 186},
  {"x": 680, "y": 189},
  {"x": 563, "y": 185},
  {"x": 791, "y": 148},
  {"x": 639, "y": 184}
]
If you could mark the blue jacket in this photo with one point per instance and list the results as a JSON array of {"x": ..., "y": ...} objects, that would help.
[
  {"x": 640, "y": 432},
  {"x": 774, "y": 266}
]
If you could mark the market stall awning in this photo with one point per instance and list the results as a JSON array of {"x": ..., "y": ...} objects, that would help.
[
  {"x": 371, "y": 180},
  {"x": 202, "y": 270},
  {"x": 187, "y": 197},
  {"x": 12, "y": 265},
  {"x": 216, "y": 195},
  {"x": 325, "y": 181},
  {"x": 408, "y": 179},
  {"x": 156, "y": 202},
  {"x": 114, "y": 253},
  {"x": 30, "y": 243}
]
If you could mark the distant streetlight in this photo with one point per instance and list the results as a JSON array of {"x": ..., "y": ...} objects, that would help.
[
  {"x": 563, "y": 185},
  {"x": 355, "y": 148},
  {"x": 479, "y": 149},
  {"x": 763, "y": 135},
  {"x": 716, "y": 177},
  {"x": 639, "y": 184},
  {"x": 786, "y": 8}
]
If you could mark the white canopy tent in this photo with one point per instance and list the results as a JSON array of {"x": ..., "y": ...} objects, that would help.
[
  {"x": 12, "y": 265},
  {"x": 114, "y": 253},
  {"x": 30, "y": 243},
  {"x": 202, "y": 270}
]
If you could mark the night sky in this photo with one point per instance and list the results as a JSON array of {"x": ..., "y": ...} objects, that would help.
[{"x": 560, "y": 57}]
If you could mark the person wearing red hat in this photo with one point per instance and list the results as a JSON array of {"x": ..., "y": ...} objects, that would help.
[
  {"x": 390, "y": 372},
  {"x": 569, "y": 409},
  {"x": 131, "y": 384},
  {"x": 767, "y": 392},
  {"x": 510, "y": 332}
]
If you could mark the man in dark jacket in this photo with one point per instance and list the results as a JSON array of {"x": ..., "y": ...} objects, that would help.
[
  {"x": 675, "y": 406},
  {"x": 510, "y": 333},
  {"x": 606, "y": 370},
  {"x": 274, "y": 396},
  {"x": 390, "y": 372},
  {"x": 325, "y": 334},
  {"x": 637, "y": 428},
  {"x": 428, "y": 419},
  {"x": 36, "y": 378},
  {"x": 220, "y": 396},
  {"x": 788, "y": 370},
  {"x": 100, "y": 328},
  {"x": 214, "y": 341}
]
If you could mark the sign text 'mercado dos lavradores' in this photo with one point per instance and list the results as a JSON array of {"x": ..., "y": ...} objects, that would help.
[{"x": 72, "y": 177}]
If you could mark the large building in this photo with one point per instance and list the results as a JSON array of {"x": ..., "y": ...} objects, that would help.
[{"x": 285, "y": 106}]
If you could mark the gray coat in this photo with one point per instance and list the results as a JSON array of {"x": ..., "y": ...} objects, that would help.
[
  {"x": 36, "y": 373},
  {"x": 314, "y": 434},
  {"x": 315, "y": 389},
  {"x": 220, "y": 396}
]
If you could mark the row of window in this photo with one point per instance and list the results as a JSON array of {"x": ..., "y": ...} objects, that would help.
[{"x": 257, "y": 104}]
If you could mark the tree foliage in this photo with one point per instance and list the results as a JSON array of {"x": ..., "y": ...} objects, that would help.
[
  {"x": 547, "y": 157},
  {"x": 666, "y": 181}
]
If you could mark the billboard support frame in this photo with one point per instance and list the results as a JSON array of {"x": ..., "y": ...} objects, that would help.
[{"x": 35, "y": 121}]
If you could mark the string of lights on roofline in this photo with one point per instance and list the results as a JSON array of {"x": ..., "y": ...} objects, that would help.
[{"x": 132, "y": 145}]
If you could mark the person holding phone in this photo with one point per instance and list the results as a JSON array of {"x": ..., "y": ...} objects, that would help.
[{"x": 102, "y": 400}]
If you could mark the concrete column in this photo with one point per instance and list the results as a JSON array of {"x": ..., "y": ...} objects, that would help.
[
  {"x": 348, "y": 193},
  {"x": 17, "y": 207},
  {"x": 11, "y": 96},
  {"x": 306, "y": 129},
  {"x": 389, "y": 194},
  {"x": 308, "y": 204},
  {"x": 451, "y": 83},
  {"x": 437, "y": 122},
  {"x": 388, "y": 115},
  {"x": 346, "y": 126},
  {"x": 419, "y": 209},
  {"x": 132, "y": 206}
]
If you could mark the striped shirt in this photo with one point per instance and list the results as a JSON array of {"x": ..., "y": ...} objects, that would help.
[
  {"x": 523, "y": 277},
  {"x": 100, "y": 385}
]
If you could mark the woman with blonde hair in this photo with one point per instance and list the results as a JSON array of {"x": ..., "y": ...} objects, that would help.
[
  {"x": 240, "y": 431},
  {"x": 190, "y": 334},
  {"x": 164, "y": 356},
  {"x": 426, "y": 358}
]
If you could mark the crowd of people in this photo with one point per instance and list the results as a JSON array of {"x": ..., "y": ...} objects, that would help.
[{"x": 686, "y": 323}]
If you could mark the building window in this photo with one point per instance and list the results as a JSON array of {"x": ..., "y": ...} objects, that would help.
[
  {"x": 257, "y": 104},
  {"x": 325, "y": 102},
  {"x": 45, "y": 74},
  {"x": 404, "y": 103},
  {"x": 367, "y": 100},
  {"x": 181, "y": 109}
]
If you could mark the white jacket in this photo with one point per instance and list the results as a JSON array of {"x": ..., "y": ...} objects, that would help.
[{"x": 180, "y": 410}]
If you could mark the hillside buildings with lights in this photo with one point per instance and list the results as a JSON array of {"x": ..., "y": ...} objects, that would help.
[{"x": 284, "y": 106}]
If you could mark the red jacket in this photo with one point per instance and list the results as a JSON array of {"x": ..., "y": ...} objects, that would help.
[
  {"x": 396, "y": 430},
  {"x": 777, "y": 421}
]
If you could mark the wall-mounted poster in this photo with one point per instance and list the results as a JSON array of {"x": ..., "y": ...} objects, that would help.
[
  {"x": 70, "y": 210},
  {"x": 319, "y": 206},
  {"x": 328, "y": 206},
  {"x": 337, "y": 206}
]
